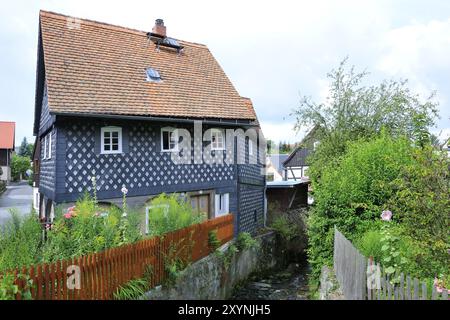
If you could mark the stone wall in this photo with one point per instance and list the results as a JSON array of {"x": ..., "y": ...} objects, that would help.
[
  {"x": 209, "y": 279},
  {"x": 329, "y": 287}
]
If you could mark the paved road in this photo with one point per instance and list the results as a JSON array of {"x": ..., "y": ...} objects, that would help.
[{"x": 18, "y": 195}]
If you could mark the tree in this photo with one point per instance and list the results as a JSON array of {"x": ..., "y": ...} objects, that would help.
[
  {"x": 26, "y": 149},
  {"x": 353, "y": 111},
  {"x": 19, "y": 166}
]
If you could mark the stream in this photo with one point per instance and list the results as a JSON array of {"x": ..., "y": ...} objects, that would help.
[{"x": 288, "y": 284}]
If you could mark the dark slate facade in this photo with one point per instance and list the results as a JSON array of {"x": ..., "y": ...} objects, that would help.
[{"x": 144, "y": 169}]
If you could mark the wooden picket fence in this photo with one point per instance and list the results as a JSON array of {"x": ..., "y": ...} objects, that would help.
[
  {"x": 101, "y": 274},
  {"x": 361, "y": 278}
]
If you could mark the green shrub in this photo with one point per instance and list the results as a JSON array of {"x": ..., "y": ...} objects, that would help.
[
  {"x": 352, "y": 192},
  {"x": 245, "y": 241},
  {"x": 19, "y": 166},
  {"x": 85, "y": 229},
  {"x": 170, "y": 212},
  {"x": 20, "y": 241},
  {"x": 369, "y": 244},
  {"x": 286, "y": 229},
  {"x": 213, "y": 241},
  {"x": 132, "y": 290}
]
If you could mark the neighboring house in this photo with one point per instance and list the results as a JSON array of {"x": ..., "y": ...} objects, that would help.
[
  {"x": 296, "y": 165},
  {"x": 274, "y": 167},
  {"x": 110, "y": 103},
  {"x": 7, "y": 138}
]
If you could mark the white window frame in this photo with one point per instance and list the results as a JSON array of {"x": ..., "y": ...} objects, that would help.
[
  {"x": 44, "y": 142},
  {"x": 222, "y": 209},
  {"x": 102, "y": 141},
  {"x": 47, "y": 142},
  {"x": 217, "y": 132},
  {"x": 49, "y": 150},
  {"x": 176, "y": 137},
  {"x": 250, "y": 147}
]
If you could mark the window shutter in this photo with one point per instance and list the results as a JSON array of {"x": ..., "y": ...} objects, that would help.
[
  {"x": 227, "y": 203},
  {"x": 50, "y": 145},
  {"x": 97, "y": 142},
  {"x": 125, "y": 140},
  {"x": 217, "y": 205}
]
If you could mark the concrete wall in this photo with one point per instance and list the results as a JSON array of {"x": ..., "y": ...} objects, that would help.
[
  {"x": 209, "y": 279},
  {"x": 6, "y": 175}
]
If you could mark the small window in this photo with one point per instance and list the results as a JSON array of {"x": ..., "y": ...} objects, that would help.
[
  {"x": 47, "y": 146},
  {"x": 316, "y": 144},
  {"x": 250, "y": 147},
  {"x": 169, "y": 139},
  {"x": 111, "y": 140},
  {"x": 49, "y": 149},
  {"x": 222, "y": 204},
  {"x": 153, "y": 75},
  {"x": 44, "y": 144},
  {"x": 217, "y": 140}
]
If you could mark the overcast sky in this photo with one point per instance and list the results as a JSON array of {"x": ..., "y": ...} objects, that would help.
[{"x": 273, "y": 51}]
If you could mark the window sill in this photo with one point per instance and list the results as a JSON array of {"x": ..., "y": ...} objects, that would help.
[{"x": 107, "y": 153}]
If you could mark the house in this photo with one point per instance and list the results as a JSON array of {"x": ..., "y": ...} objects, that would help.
[
  {"x": 274, "y": 167},
  {"x": 296, "y": 165},
  {"x": 7, "y": 138},
  {"x": 144, "y": 111}
]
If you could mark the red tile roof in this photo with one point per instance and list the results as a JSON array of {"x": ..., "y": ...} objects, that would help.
[
  {"x": 97, "y": 68},
  {"x": 7, "y": 134}
]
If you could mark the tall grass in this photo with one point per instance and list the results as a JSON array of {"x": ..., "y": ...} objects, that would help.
[{"x": 171, "y": 212}]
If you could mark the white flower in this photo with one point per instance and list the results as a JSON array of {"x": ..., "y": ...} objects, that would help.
[
  {"x": 124, "y": 214},
  {"x": 386, "y": 215},
  {"x": 124, "y": 190}
]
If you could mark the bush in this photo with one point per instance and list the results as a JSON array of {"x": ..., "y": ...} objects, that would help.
[
  {"x": 2, "y": 186},
  {"x": 84, "y": 229},
  {"x": 171, "y": 212},
  {"x": 19, "y": 166},
  {"x": 132, "y": 290},
  {"x": 286, "y": 229},
  {"x": 353, "y": 191},
  {"x": 20, "y": 241},
  {"x": 245, "y": 241}
]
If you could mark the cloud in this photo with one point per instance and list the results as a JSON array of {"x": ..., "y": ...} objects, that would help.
[
  {"x": 419, "y": 52},
  {"x": 272, "y": 52}
]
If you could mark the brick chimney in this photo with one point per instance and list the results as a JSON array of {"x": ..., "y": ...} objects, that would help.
[{"x": 159, "y": 27}]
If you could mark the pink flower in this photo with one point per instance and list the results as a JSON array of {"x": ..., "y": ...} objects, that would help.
[
  {"x": 439, "y": 287},
  {"x": 68, "y": 215},
  {"x": 386, "y": 215}
]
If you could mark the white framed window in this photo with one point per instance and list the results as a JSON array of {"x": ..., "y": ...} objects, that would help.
[
  {"x": 49, "y": 149},
  {"x": 316, "y": 144},
  {"x": 47, "y": 146},
  {"x": 250, "y": 147},
  {"x": 169, "y": 140},
  {"x": 111, "y": 140},
  {"x": 222, "y": 204},
  {"x": 44, "y": 144},
  {"x": 217, "y": 139}
]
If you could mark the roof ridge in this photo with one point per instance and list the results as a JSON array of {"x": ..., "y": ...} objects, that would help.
[{"x": 109, "y": 26}]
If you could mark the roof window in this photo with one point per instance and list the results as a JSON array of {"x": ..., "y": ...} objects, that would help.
[{"x": 153, "y": 75}]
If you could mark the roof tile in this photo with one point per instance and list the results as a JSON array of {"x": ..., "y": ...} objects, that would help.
[{"x": 93, "y": 67}]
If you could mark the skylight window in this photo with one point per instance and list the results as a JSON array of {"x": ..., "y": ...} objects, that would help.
[
  {"x": 153, "y": 75},
  {"x": 171, "y": 41}
]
